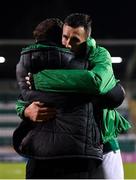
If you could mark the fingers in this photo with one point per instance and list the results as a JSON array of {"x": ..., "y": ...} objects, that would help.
[
  {"x": 30, "y": 75},
  {"x": 38, "y": 103},
  {"x": 28, "y": 80},
  {"x": 38, "y": 112},
  {"x": 45, "y": 117},
  {"x": 45, "y": 114},
  {"x": 43, "y": 109},
  {"x": 47, "y": 110}
]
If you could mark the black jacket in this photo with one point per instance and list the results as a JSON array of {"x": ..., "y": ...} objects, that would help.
[{"x": 75, "y": 131}]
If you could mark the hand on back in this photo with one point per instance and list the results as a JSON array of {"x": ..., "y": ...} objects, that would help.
[{"x": 37, "y": 112}]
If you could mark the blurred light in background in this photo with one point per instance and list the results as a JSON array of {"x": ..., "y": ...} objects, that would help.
[
  {"x": 116, "y": 59},
  {"x": 2, "y": 59}
]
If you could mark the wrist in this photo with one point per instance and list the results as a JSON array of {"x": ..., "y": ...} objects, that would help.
[{"x": 26, "y": 112}]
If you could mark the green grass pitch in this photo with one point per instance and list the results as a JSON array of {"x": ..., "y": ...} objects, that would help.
[
  {"x": 17, "y": 170},
  {"x": 12, "y": 170},
  {"x": 130, "y": 170}
]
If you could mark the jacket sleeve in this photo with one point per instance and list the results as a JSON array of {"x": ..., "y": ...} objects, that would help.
[
  {"x": 113, "y": 125},
  {"x": 99, "y": 80},
  {"x": 20, "y": 107},
  {"x": 22, "y": 70},
  {"x": 112, "y": 99}
]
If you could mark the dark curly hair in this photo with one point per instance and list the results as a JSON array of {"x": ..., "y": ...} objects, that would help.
[{"x": 49, "y": 30}]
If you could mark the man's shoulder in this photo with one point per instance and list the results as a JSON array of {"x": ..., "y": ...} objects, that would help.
[
  {"x": 101, "y": 49},
  {"x": 43, "y": 47},
  {"x": 95, "y": 48}
]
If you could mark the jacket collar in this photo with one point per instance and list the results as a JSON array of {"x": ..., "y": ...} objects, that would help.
[{"x": 91, "y": 45}]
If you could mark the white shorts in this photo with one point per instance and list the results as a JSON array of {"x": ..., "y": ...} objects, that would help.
[{"x": 111, "y": 167}]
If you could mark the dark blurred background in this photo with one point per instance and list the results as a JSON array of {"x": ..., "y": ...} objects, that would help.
[
  {"x": 111, "y": 19},
  {"x": 113, "y": 27}
]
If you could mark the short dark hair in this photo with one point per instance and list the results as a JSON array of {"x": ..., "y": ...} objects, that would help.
[
  {"x": 76, "y": 20},
  {"x": 49, "y": 30}
]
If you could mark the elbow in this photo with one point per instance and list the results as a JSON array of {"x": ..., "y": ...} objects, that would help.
[{"x": 116, "y": 96}]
